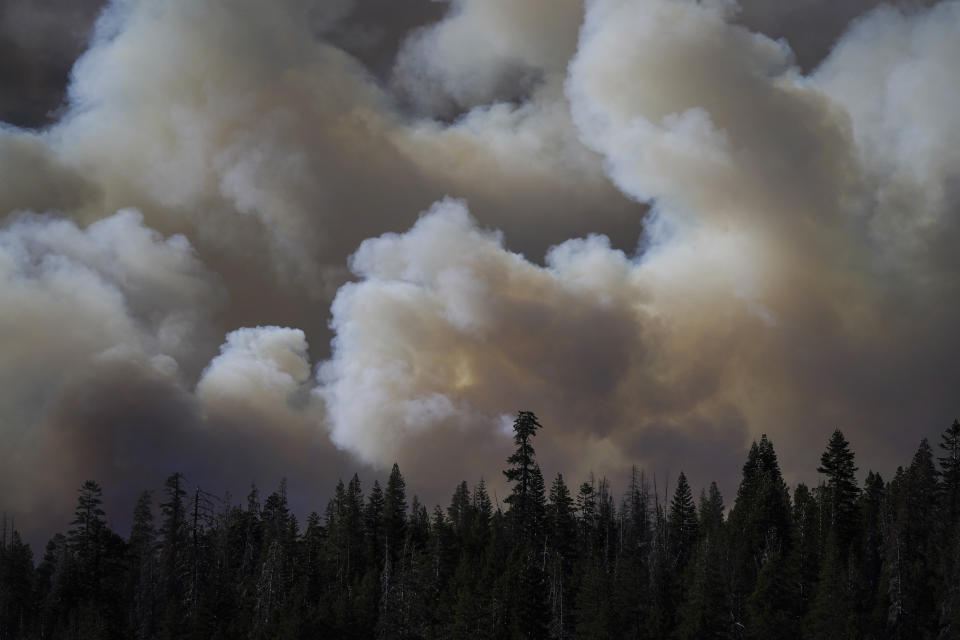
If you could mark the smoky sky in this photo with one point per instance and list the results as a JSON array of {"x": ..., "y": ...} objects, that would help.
[{"x": 304, "y": 238}]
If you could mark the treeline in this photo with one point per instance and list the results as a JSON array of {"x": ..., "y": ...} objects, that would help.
[{"x": 834, "y": 561}]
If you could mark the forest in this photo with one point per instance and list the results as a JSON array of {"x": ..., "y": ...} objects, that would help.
[{"x": 837, "y": 560}]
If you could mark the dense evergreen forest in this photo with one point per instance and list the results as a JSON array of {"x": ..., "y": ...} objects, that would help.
[{"x": 834, "y": 561}]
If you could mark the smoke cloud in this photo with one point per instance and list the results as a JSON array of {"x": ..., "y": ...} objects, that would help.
[
  {"x": 260, "y": 369},
  {"x": 306, "y": 238}
]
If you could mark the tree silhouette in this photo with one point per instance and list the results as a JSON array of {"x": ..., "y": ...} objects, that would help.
[{"x": 828, "y": 562}]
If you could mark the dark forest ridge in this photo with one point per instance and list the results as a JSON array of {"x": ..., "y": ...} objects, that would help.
[{"x": 834, "y": 561}]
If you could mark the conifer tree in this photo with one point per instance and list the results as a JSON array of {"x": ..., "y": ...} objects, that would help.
[
  {"x": 661, "y": 618},
  {"x": 143, "y": 568},
  {"x": 911, "y": 550},
  {"x": 807, "y": 547},
  {"x": 459, "y": 512},
  {"x": 482, "y": 513},
  {"x": 312, "y": 558},
  {"x": 418, "y": 529},
  {"x": 836, "y": 464},
  {"x": 393, "y": 622},
  {"x": 705, "y": 611},
  {"x": 16, "y": 587},
  {"x": 173, "y": 557},
  {"x": 524, "y": 584},
  {"x": 632, "y": 574},
  {"x": 86, "y": 539},
  {"x": 54, "y": 576},
  {"x": 832, "y": 612},
  {"x": 950, "y": 473},
  {"x": 86, "y": 532},
  {"x": 373, "y": 527},
  {"x": 370, "y": 589},
  {"x": 561, "y": 519},
  {"x": 594, "y": 601},
  {"x": 395, "y": 514},
  {"x": 948, "y": 538},
  {"x": 760, "y": 530},
  {"x": 682, "y": 524},
  {"x": 537, "y": 503},
  {"x": 521, "y": 473},
  {"x": 562, "y": 542},
  {"x": 871, "y": 608},
  {"x": 275, "y": 571},
  {"x": 873, "y": 565}
]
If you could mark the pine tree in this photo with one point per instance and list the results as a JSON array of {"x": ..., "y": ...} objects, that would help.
[
  {"x": 705, "y": 612},
  {"x": 173, "y": 557},
  {"x": 311, "y": 559},
  {"x": 948, "y": 538},
  {"x": 86, "y": 532},
  {"x": 143, "y": 568},
  {"x": 459, "y": 512},
  {"x": 393, "y": 622},
  {"x": 443, "y": 556},
  {"x": 836, "y": 464},
  {"x": 833, "y": 607},
  {"x": 561, "y": 519},
  {"x": 55, "y": 591},
  {"x": 275, "y": 578},
  {"x": 632, "y": 592},
  {"x": 607, "y": 526},
  {"x": 950, "y": 473},
  {"x": 682, "y": 525},
  {"x": 587, "y": 514},
  {"x": 863, "y": 564},
  {"x": 911, "y": 550},
  {"x": 86, "y": 539},
  {"x": 482, "y": 513},
  {"x": 373, "y": 528},
  {"x": 16, "y": 587},
  {"x": 482, "y": 504},
  {"x": 344, "y": 552},
  {"x": 760, "y": 530},
  {"x": 662, "y": 615},
  {"x": 369, "y": 591},
  {"x": 418, "y": 529},
  {"x": 562, "y": 543},
  {"x": 527, "y": 612},
  {"x": 521, "y": 473},
  {"x": 871, "y": 608},
  {"x": 807, "y": 547},
  {"x": 537, "y": 502},
  {"x": 395, "y": 514},
  {"x": 345, "y": 532}
]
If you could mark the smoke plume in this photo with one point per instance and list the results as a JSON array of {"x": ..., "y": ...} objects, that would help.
[{"x": 305, "y": 238}]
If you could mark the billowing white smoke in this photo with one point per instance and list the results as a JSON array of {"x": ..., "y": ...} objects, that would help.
[
  {"x": 259, "y": 368},
  {"x": 893, "y": 75},
  {"x": 774, "y": 199},
  {"x": 77, "y": 304},
  {"x": 447, "y": 329},
  {"x": 795, "y": 264},
  {"x": 238, "y": 125},
  {"x": 487, "y": 50},
  {"x": 113, "y": 290}
]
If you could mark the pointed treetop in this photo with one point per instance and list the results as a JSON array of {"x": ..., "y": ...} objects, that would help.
[
  {"x": 838, "y": 456},
  {"x": 525, "y": 426},
  {"x": 950, "y": 444}
]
